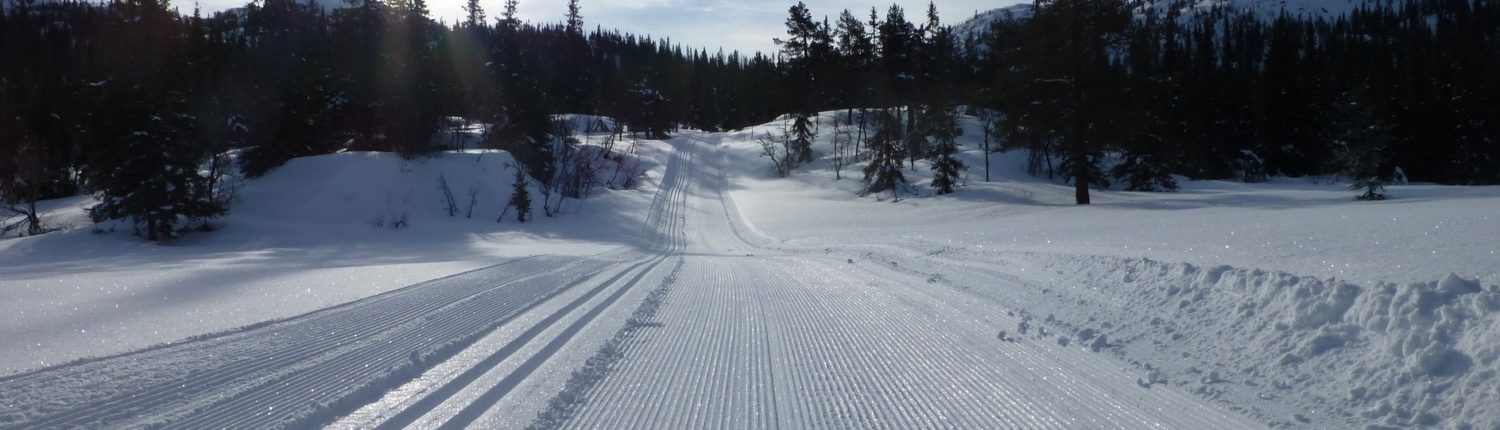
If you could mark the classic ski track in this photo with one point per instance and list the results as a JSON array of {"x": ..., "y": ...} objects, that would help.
[
  {"x": 467, "y": 321},
  {"x": 796, "y": 350},
  {"x": 663, "y": 214},
  {"x": 322, "y": 358},
  {"x": 662, "y": 226},
  {"x": 467, "y": 416},
  {"x": 306, "y": 337}
]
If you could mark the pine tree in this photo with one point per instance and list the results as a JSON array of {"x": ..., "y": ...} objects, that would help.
[
  {"x": 509, "y": 18},
  {"x": 1144, "y": 172},
  {"x": 883, "y": 173},
  {"x": 802, "y": 138},
  {"x": 1362, "y": 148},
  {"x": 946, "y": 169},
  {"x": 520, "y": 198},
  {"x": 856, "y": 54},
  {"x": 475, "y": 14},
  {"x": 575, "y": 18},
  {"x": 897, "y": 40},
  {"x": 155, "y": 181},
  {"x": 1070, "y": 86}
]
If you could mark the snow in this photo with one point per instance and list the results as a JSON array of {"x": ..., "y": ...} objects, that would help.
[
  {"x": 1320, "y": 308},
  {"x": 720, "y": 296},
  {"x": 299, "y": 239}
]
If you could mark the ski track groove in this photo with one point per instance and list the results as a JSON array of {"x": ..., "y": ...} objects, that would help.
[
  {"x": 441, "y": 394},
  {"x": 371, "y": 361},
  {"x": 466, "y": 417},
  {"x": 663, "y": 225},
  {"x": 306, "y": 338}
]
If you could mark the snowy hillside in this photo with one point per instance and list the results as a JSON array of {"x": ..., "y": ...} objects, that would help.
[
  {"x": 1268, "y": 9},
  {"x": 975, "y": 27}
]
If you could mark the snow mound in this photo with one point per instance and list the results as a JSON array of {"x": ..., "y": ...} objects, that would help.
[{"x": 1404, "y": 355}]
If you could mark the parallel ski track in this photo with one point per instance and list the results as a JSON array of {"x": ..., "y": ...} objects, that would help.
[
  {"x": 290, "y": 341},
  {"x": 306, "y": 369},
  {"x": 287, "y": 400},
  {"x": 665, "y": 224},
  {"x": 317, "y": 345}
]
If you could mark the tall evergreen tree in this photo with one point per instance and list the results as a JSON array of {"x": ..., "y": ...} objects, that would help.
[
  {"x": 1362, "y": 147},
  {"x": 802, "y": 137},
  {"x": 947, "y": 170},
  {"x": 155, "y": 182},
  {"x": 575, "y": 18},
  {"x": 1068, "y": 71},
  {"x": 509, "y": 18},
  {"x": 883, "y": 173},
  {"x": 474, "y": 14},
  {"x": 520, "y": 197}
]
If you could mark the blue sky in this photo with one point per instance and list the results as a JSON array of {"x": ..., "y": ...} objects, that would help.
[{"x": 745, "y": 25}]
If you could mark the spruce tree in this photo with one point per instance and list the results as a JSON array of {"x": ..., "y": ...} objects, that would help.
[
  {"x": 575, "y": 18},
  {"x": 509, "y": 18},
  {"x": 474, "y": 14},
  {"x": 520, "y": 198},
  {"x": 1071, "y": 82},
  {"x": 946, "y": 169},
  {"x": 802, "y": 138},
  {"x": 154, "y": 182},
  {"x": 883, "y": 173},
  {"x": 1144, "y": 172},
  {"x": 1362, "y": 147}
]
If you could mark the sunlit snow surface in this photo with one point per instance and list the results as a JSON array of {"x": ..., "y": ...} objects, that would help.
[{"x": 717, "y": 296}]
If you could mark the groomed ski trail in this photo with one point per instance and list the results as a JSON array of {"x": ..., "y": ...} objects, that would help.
[
  {"x": 754, "y": 336},
  {"x": 729, "y": 330}
]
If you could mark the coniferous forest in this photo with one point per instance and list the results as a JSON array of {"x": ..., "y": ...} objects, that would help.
[{"x": 130, "y": 99}]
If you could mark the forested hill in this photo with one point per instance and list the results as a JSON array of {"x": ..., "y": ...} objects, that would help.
[{"x": 86, "y": 88}]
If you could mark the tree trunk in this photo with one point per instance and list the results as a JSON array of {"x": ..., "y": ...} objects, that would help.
[
  {"x": 1080, "y": 179},
  {"x": 34, "y": 223},
  {"x": 986, "y": 153},
  {"x": 1078, "y": 147}
]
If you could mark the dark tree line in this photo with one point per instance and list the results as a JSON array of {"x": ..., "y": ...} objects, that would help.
[
  {"x": 1232, "y": 95},
  {"x": 133, "y": 97}
]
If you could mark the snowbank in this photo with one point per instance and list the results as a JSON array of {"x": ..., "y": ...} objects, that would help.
[{"x": 1338, "y": 353}]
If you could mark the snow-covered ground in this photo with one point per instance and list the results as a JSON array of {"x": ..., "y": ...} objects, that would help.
[
  {"x": 1289, "y": 299},
  {"x": 718, "y": 296},
  {"x": 302, "y": 238}
]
